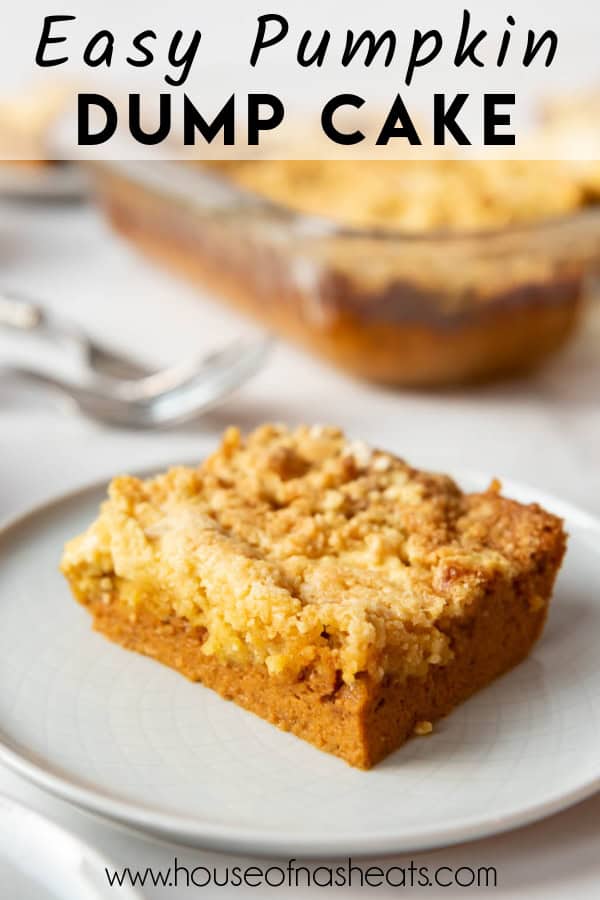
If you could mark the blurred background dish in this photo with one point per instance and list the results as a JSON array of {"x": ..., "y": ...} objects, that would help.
[
  {"x": 406, "y": 272},
  {"x": 427, "y": 302},
  {"x": 570, "y": 130},
  {"x": 26, "y": 120},
  {"x": 420, "y": 196},
  {"x": 28, "y": 168}
]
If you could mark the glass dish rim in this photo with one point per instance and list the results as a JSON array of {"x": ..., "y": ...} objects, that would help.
[{"x": 303, "y": 224}]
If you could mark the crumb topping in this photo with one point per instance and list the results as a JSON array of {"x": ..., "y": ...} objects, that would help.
[
  {"x": 422, "y": 728},
  {"x": 294, "y": 545},
  {"x": 422, "y": 195}
]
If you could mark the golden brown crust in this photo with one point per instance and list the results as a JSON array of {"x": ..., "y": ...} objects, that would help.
[
  {"x": 416, "y": 195},
  {"x": 300, "y": 563}
]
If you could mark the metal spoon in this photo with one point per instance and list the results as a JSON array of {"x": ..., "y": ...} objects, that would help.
[
  {"x": 21, "y": 314},
  {"x": 162, "y": 399}
]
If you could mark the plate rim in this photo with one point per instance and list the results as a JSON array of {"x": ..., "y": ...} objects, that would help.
[{"x": 227, "y": 838}]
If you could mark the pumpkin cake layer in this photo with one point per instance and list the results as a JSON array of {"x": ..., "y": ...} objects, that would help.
[{"x": 326, "y": 586}]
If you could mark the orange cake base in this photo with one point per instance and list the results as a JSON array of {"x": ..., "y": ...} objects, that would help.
[{"x": 366, "y": 721}]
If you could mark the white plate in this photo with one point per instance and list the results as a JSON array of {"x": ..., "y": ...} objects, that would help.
[
  {"x": 130, "y": 739},
  {"x": 39, "y": 859}
]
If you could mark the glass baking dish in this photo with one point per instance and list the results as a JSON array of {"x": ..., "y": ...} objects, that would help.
[{"x": 397, "y": 308}]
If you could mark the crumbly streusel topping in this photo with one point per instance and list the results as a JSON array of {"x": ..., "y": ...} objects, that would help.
[
  {"x": 291, "y": 544},
  {"x": 422, "y": 195}
]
